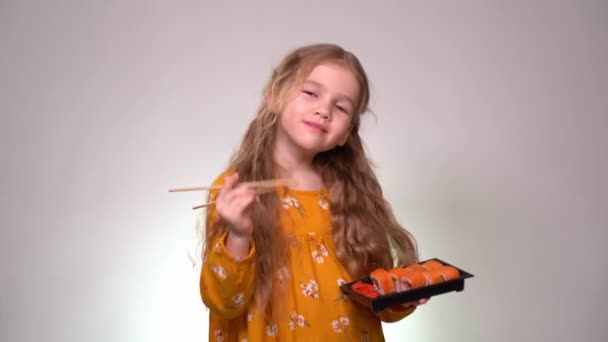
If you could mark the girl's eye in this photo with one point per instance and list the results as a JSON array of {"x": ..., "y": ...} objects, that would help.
[
  {"x": 342, "y": 109},
  {"x": 309, "y": 93}
]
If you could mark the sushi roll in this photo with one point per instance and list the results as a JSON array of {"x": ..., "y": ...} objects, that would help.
[
  {"x": 399, "y": 277},
  {"x": 433, "y": 276},
  {"x": 383, "y": 282},
  {"x": 429, "y": 275},
  {"x": 414, "y": 278},
  {"x": 434, "y": 264},
  {"x": 417, "y": 267},
  {"x": 448, "y": 272}
]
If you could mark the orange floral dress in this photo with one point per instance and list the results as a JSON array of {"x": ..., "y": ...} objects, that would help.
[{"x": 312, "y": 308}]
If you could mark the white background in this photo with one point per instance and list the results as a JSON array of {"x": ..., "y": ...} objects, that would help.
[{"x": 490, "y": 141}]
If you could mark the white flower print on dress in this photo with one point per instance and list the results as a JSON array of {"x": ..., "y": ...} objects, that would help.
[
  {"x": 237, "y": 299},
  {"x": 336, "y": 326},
  {"x": 311, "y": 289},
  {"x": 292, "y": 202},
  {"x": 219, "y": 270},
  {"x": 272, "y": 330},
  {"x": 323, "y": 250},
  {"x": 293, "y": 241},
  {"x": 317, "y": 257},
  {"x": 297, "y": 320},
  {"x": 341, "y": 324},
  {"x": 289, "y": 201},
  {"x": 323, "y": 203},
  {"x": 249, "y": 316},
  {"x": 283, "y": 274},
  {"x": 219, "y": 337},
  {"x": 342, "y": 296}
]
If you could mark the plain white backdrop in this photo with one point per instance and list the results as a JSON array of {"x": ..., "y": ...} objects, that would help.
[{"x": 489, "y": 141}]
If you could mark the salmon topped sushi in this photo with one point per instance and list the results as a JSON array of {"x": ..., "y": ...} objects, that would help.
[
  {"x": 383, "y": 281},
  {"x": 434, "y": 264},
  {"x": 399, "y": 277},
  {"x": 449, "y": 272}
]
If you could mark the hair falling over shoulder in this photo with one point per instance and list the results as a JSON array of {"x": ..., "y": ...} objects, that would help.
[{"x": 362, "y": 221}]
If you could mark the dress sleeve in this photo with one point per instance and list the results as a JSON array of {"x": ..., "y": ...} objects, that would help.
[{"x": 226, "y": 284}]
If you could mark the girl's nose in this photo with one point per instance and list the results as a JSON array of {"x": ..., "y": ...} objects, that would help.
[{"x": 323, "y": 111}]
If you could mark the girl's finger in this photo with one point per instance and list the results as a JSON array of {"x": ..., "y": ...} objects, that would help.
[
  {"x": 245, "y": 191},
  {"x": 230, "y": 182},
  {"x": 235, "y": 192},
  {"x": 245, "y": 201}
]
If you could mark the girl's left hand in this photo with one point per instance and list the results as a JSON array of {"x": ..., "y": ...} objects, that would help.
[
  {"x": 415, "y": 303},
  {"x": 408, "y": 305}
]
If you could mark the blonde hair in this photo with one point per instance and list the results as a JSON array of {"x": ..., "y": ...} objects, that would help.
[{"x": 364, "y": 228}]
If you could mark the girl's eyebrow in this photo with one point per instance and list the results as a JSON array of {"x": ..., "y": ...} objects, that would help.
[{"x": 343, "y": 96}]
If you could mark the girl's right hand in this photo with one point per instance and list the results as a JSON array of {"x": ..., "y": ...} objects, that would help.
[{"x": 232, "y": 204}]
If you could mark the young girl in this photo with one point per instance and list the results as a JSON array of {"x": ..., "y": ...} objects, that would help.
[{"x": 273, "y": 262}]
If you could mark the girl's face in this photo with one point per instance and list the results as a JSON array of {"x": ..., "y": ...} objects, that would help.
[{"x": 319, "y": 116}]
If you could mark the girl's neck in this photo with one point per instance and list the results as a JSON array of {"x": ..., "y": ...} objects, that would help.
[{"x": 298, "y": 168}]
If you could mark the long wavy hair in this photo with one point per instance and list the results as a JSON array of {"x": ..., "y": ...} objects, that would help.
[{"x": 364, "y": 229}]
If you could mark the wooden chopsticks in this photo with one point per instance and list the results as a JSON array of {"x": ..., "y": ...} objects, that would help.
[
  {"x": 260, "y": 187},
  {"x": 271, "y": 183}
]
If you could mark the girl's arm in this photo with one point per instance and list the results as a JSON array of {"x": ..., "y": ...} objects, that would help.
[
  {"x": 228, "y": 269},
  {"x": 227, "y": 283}
]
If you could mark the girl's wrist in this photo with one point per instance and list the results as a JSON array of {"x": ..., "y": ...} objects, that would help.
[{"x": 238, "y": 244}]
